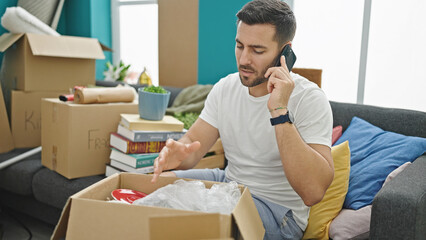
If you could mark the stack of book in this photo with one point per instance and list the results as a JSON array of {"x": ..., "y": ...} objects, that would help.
[{"x": 137, "y": 142}]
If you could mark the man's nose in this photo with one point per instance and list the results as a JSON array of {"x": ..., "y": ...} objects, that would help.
[{"x": 245, "y": 57}]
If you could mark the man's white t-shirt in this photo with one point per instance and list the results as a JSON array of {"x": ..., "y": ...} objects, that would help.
[{"x": 249, "y": 139}]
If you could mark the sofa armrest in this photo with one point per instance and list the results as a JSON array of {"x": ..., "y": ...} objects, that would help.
[{"x": 399, "y": 209}]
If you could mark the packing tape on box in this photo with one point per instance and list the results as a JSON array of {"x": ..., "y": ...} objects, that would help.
[{"x": 104, "y": 95}]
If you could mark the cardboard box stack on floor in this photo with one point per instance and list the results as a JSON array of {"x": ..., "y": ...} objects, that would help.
[
  {"x": 37, "y": 66},
  {"x": 88, "y": 215}
]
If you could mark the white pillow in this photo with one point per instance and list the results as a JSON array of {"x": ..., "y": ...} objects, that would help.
[{"x": 352, "y": 223}]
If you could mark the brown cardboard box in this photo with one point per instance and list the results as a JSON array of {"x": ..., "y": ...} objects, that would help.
[
  {"x": 26, "y": 117},
  {"x": 6, "y": 140},
  {"x": 178, "y": 42},
  {"x": 75, "y": 137},
  {"x": 87, "y": 215},
  {"x": 49, "y": 63}
]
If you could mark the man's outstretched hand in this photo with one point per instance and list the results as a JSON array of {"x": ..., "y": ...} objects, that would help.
[{"x": 172, "y": 155}]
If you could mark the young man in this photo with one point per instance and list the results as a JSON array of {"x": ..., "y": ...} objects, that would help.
[{"x": 285, "y": 161}]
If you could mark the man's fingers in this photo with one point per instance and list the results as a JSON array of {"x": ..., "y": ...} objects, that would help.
[
  {"x": 170, "y": 142},
  {"x": 283, "y": 63},
  {"x": 270, "y": 85},
  {"x": 268, "y": 72},
  {"x": 190, "y": 148},
  {"x": 157, "y": 170},
  {"x": 171, "y": 154},
  {"x": 154, "y": 177}
]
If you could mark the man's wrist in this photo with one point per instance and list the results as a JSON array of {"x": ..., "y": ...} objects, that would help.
[
  {"x": 279, "y": 112},
  {"x": 281, "y": 119}
]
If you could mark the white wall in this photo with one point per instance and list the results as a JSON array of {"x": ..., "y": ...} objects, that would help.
[{"x": 329, "y": 37}]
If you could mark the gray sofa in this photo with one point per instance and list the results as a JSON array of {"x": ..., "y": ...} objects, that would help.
[{"x": 399, "y": 209}]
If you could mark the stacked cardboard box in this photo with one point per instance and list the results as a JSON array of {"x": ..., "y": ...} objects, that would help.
[
  {"x": 38, "y": 66},
  {"x": 75, "y": 137}
]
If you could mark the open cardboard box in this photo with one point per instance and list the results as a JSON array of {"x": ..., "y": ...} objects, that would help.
[
  {"x": 35, "y": 62},
  {"x": 88, "y": 215}
]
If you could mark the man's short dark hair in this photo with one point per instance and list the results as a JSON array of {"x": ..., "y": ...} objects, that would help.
[{"x": 273, "y": 12}]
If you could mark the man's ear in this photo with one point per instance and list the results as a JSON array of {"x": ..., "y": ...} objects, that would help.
[{"x": 287, "y": 43}]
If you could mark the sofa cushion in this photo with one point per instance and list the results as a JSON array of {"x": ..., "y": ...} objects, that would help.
[
  {"x": 18, "y": 177},
  {"x": 29, "y": 206},
  {"x": 336, "y": 134},
  {"x": 374, "y": 154},
  {"x": 351, "y": 223},
  {"x": 403, "y": 121},
  {"x": 324, "y": 212},
  {"x": 53, "y": 189},
  {"x": 395, "y": 172}
]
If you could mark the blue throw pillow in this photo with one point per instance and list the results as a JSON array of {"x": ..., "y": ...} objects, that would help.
[{"x": 374, "y": 154}]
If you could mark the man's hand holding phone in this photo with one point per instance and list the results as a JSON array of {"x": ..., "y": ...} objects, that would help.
[
  {"x": 280, "y": 86},
  {"x": 172, "y": 155}
]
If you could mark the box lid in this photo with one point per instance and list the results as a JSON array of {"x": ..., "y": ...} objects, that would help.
[
  {"x": 247, "y": 217},
  {"x": 57, "y": 46},
  {"x": 7, "y": 39},
  {"x": 65, "y": 46}
]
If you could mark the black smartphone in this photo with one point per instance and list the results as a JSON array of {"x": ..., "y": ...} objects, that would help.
[{"x": 290, "y": 57}]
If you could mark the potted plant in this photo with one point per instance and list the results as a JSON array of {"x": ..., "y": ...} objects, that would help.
[
  {"x": 153, "y": 102},
  {"x": 116, "y": 73}
]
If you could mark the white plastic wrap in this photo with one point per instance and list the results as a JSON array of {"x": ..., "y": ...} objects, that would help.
[
  {"x": 194, "y": 196},
  {"x": 18, "y": 20}
]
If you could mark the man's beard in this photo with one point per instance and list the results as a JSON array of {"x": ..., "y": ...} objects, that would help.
[{"x": 257, "y": 81}]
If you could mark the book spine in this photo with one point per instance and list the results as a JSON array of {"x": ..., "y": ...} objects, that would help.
[
  {"x": 119, "y": 166},
  {"x": 149, "y": 169},
  {"x": 159, "y": 137},
  {"x": 145, "y": 163},
  {"x": 144, "y": 147}
]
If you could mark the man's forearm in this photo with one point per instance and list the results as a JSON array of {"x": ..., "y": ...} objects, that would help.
[{"x": 309, "y": 168}]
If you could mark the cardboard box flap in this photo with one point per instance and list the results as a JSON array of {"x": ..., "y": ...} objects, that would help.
[
  {"x": 94, "y": 219},
  {"x": 61, "y": 228},
  {"x": 6, "y": 139},
  {"x": 203, "y": 226},
  {"x": 99, "y": 190},
  {"x": 65, "y": 46},
  {"x": 7, "y": 39},
  {"x": 105, "y": 47},
  {"x": 247, "y": 218}
]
